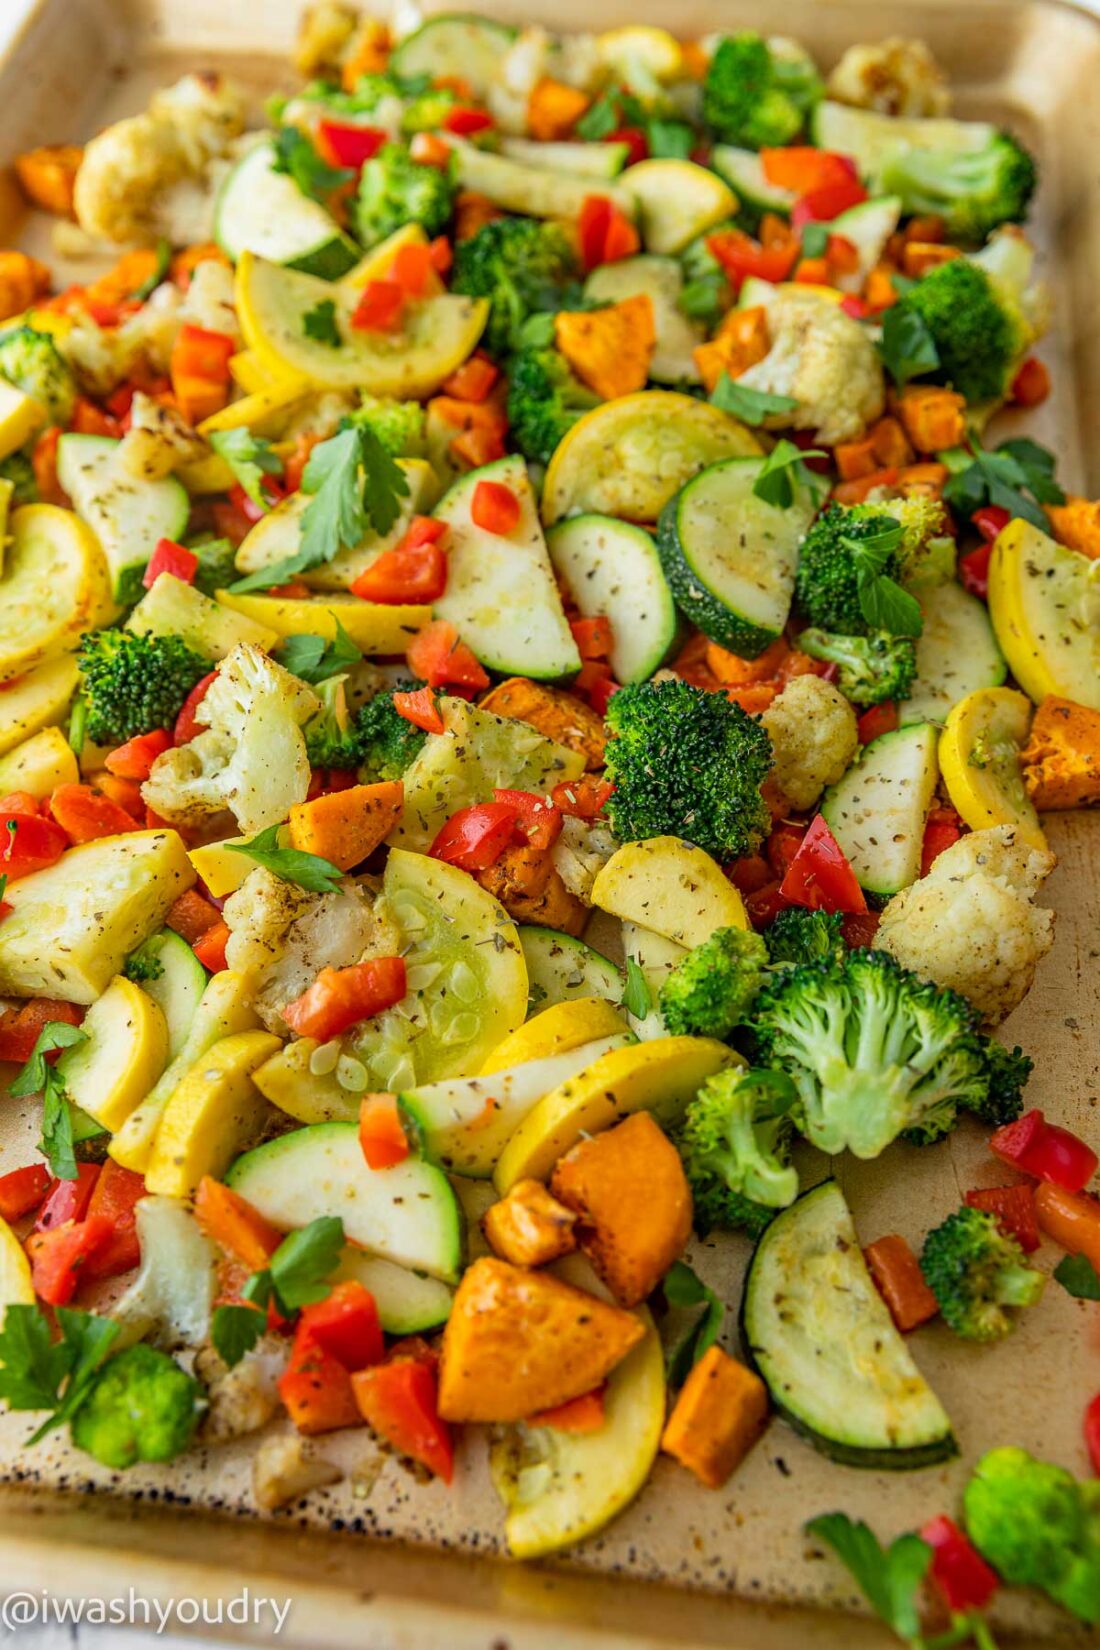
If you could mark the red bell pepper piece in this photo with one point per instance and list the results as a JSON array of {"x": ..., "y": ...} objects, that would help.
[
  {"x": 859, "y": 928},
  {"x": 436, "y": 655},
  {"x": 115, "y": 1196},
  {"x": 494, "y": 508},
  {"x": 382, "y": 1132},
  {"x": 741, "y": 256},
  {"x": 1072, "y": 1219},
  {"x": 635, "y": 140},
  {"x": 823, "y": 205},
  {"x": 412, "y": 270},
  {"x": 473, "y": 380},
  {"x": 876, "y": 720},
  {"x": 537, "y": 820},
  {"x": 201, "y": 353},
  {"x": 990, "y": 520},
  {"x": 209, "y": 948},
  {"x": 1031, "y": 385},
  {"x": 595, "y": 684},
  {"x": 345, "y": 1325},
  {"x": 465, "y": 122},
  {"x": 85, "y": 814},
  {"x": 782, "y": 845},
  {"x": 59, "y": 1257},
  {"x": 28, "y": 843},
  {"x": 593, "y": 636},
  {"x": 170, "y": 557},
  {"x": 68, "y": 1200},
  {"x": 407, "y": 573},
  {"x": 959, "y": 1572},
  {"x": 803, "y": 169},
  {"x": 858, "y": 308},
  {"x": 1013, "y": 1207},
  {"x": 1092, "y": 1434},
  {"x": 1046, "y": 1151},
  {"x": 187, "y": 722},
  {"x": 23, "y": 1190},
  {"x": 316, "y": 1388},
  {"x": 942, "y": 829},
  {"x": 341, "y": 997},
  {"x": 347, "y": 145},
  {"x": 442, "y": 254},
  {"x": 380, "y": 307},
  {"x": 974, "y": 571},
  {"x": 765, "y": 904},
  {"x": 419, "y": 708},
  {"x": 606, "y": 235},
  {"x": 583, "y": 798},
  {"x": 819, "y": 876},
  {"x": 135, "y": 758},
  {"x": 400, "y": 1400},
  {"x": 579, "y": 1415},
  {"x": 750, "y": 873},
  {"x": 19, "y": 1028},
  {"x": 474, "y": 838}
]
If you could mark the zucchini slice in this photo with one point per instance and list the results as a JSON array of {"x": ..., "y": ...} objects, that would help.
[
  {"x": 561, "y": 968},
  {"x": 877, "y": 812},
  {"x": 872, "y": 138},
  {"x": 979, "y": 753},
  {"x": 677, "y": 202},
  {"x": 743, "y": 170},
  {"x": 264, "y": 211},
  {"x": 957, "y": 653},
  {"x": 535, "y": 191},
  {"x": 730, "y": 558},
  {"x": 580, "y": 160},
  {"x": 457, "y": 43},
  {"x": 822, "y": 1338},
  {"x": 126, "y": 516},
  {"x": 612, "y": 568}
]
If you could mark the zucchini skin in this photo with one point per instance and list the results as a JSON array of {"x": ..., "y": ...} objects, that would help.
[{"x": 699, "y": 606}]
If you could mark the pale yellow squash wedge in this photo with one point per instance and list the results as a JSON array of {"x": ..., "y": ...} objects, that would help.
[
  {"x": 216, "y": 1112},
  {"x": 557, "y": 1030},
  {"x": 39, "y": 765},
  {"x": 54, "y": 587},
  {"x": 670, "y": 886},
  {"x": 124, "y": 1052}
]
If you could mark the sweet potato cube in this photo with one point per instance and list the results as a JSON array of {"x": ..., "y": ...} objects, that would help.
[
  {"x": 717, "y": 1418},
  {"x": 933, "y": 418},
  {"x": 345, "y": 826},
  {"x": 529, "y": 1227},
  {"x": 609, "y": 349},
  {"x": 1061, "y": 760},
  {"x": 633, "y": 1204},
  {"x": 1076, "y": 524},
  {"x": 519, "y": 1342},
  {"x": 556, "y": 715}
]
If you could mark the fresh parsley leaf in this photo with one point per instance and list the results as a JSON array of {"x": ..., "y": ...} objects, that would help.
[
  {"x": 705, "y": 297},
  {"x": 276, "y": 573},
  {"x": 355, "y": 485},
  {"x": 384, "y": 482},
  {"x": 636, "y": 997},
  {"x": 669, "y": 139},
  {"x": 296, "y": 156},
  {"x": 37, "y": 1372},
  {"x": 886, "y": 606},
  {"x": 314, "y": 659},
  {"x": 889, "y": 1578},
  {"x": 235, "y": 1330},
  {"x": 39, "y": 1077},
  {"x": 908, "y": 348},
  {"x": 1018, "y": 476},
  {"x": 780, "y": 471},
  {"x": 250, "y": 458},
  {"x": 320, "y": 324},
  {"x": 599, "y": 120},
  {"x": 1036, "y": 465},
  {"x": 304, "y": 1261},
  {"x": 537, "y": 332},
  {"x": 815, "y": 239},
  {"x": 683, "y": 1289},
  {"x": 157, "y": 273},
  {"x": 309, "y": 871},
  {"x": 749, "y": 405},
  {"x": 1078, "y": 1276}
]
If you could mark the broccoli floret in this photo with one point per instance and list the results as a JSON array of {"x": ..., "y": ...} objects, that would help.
[
  {"x": 1038, "y": 1526},
  {"x": 18, "y": 469},
  {"x": 132, "y": 684},
  {"x": 1006, "y": 1074},
  {"x": 399, "y": 425},
  {"x": 755, "y": 97},
  {"x": 707, "y": 994},
  {"x": 544, "y": 402},
  {"x": 978, "y": 1275},
  {"x": 871, "y": 1049},
  {"x": 978, "y": 338},
  {"x": 427, "y": 112},
  {"x": 388, "y": 744},
  {"x": 973, "y": 190},
  {"x": 522, "y": 266},
  {"x": 142, "y": 1407},
  {"x": 217, "y": 565},
  {"x": 143, "y": 964},
  {"x": 687, "y": 763},
  {"x": 31, "y": 362},
  {"x": 735, "y": 1144},
  {"x": 870, "y": 668},
  {"x": 395, "y": 190},
  {"x": 927, "y": 551},
  {"x": 830, "y": 564},
  {"x": 801, "y": 936},
  {"x": 332, "y": 737}
]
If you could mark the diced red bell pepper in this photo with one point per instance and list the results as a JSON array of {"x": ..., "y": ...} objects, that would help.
[
  {"x": 347, "y": 145},
  {"x": 407, "y": 573},
  {"x": 595, "y": 684},
  {"x": 494, "y": 508},
  {"x": 859, "y": 928},
  {"x": 1031, "y": 385},
  {"x": 958, "y": 1571},
  {"x": 474, "y": 838},
  {"x": 974, "y": 571},
  {"x": 467, "y": 122},
  {"x": 19, "y": 1028},
  {"x": 59, "y": 1258},
  {"x": 606, "y": 234},
  {"x": 68, "y": 1200},
  {"x": 593, "y": 636},
  {"x": 803, "y": 169},
  {"x": 442, "y": 254},
  {"x": 858, "y": 308},
  {"x": 900, "y": 1281},
  {"x": 823, "y": 205},
  {"x": 436, "y": 655},
  {"x": 187, "y": 722},
  {"x": 1014, "y": 1210},
  {"x": 741, "y": 257},
  {"x": 943, "y": 828},
  {"x": 990, "y": 520},
  {"x": 202, "y": 353},
  {"x": 412, "y": 269},
  {"x": 209, "y": 948},
  {"x": 190, "y": 915},
  {"x": 400, "y": 1400},
  {"x": 382, "y": 1132},
  {"x": 134, "y": 759},
  {"x": 115, "y": 1197},
  {"x": 1092, "y": 1434},
  {"x": 89, "y": 419},
  {"x": 765, "y": 904},
  {"x": 170, "y": 557},
  {"x": 782, "y": 845},
  {"x": 316, "y": 1388},
  {"x": 585, "y": 1414},
  {"x": 473, "y": 380},
  {"x": 345, "y": 1325},
  {"x": 537, "y": 820},
  {"x": 379, "y": 308},
  {"x": 876, "y": 720},
  {"x": 635, "y": 140},
  {"x": 22, "y": 1190},
  {"x": 819, "y": 876},
  {"x": 29, "y": 843},
  {"x": 419, "y": 708},
  {"x": 341, "y": 997},
  {"x": 583, "y": 798},
  {"x": 1045, "y": 1151}
]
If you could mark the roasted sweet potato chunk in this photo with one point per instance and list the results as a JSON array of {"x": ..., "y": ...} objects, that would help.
[
  {"x": 530, "y": 1227},
  {"x": 1061, "y": 760},
  {"x": 717, "y": 1418},
  {"x": 555, "y": 714}
]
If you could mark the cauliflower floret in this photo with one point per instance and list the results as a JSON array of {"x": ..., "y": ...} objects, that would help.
[
  {"x": 147, "y": 176},
  {"x": 970, "y": 923},
  {"x": 580, "y": 854},
  {"x": 102, "y": 357},
  {"x": 208, "y": 301},
  {"x": 319, "y": 415},
  {"x": 534, "y": 55},
  {"x": 245, "y": 1398},
  {"x": 812, "y": 728},
  {"x": 281, "y": 936},
  {"x": 252, "y": 758},
  {"x": 895, "y": 76},
  {"x": 324, "y": 33},
  {"x": 159, "y": 440},
  {"x": 826, "y": 362},
  {"x": 286, "y": 1467}
]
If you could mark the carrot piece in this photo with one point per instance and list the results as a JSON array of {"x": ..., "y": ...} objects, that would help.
[
  {"x": 719, "y": 1415},
  {"x": 553, "y": 109},
  {"x": 933, "y": 418},
  {"x": 190, "y": 915},
  {"x": 584, "y": 1414},
  {"x": 22, "y": 280},
  {"x": 855, "y": 458},
  {"x": 1072, "y": 1219},
  {"x": 812, "y": 271},
  {"x": 900, "y": 1282},
  {"x": 85, "y": 814},
  {"x": 345, "y": 826},
  {"x": 854, "y": 492},
  {"x": 234, "y": 1225},
  {"x": 737, "y": 672},
  {"x": 47, "y": 175},
  {"x": 369, "y": 53},
  {"x": 529, "y": 1227},
  {"x": 879, "y": 289},
  {"x": 928, "y": 477},
  {"x": 925, "y": 228},
  {"x": 609, "y": 349},
  {"x": 554, "y": 713},
  {"x": 472, "y": 211}
]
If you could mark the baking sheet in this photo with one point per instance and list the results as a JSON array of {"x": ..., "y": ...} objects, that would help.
[{"x": 745, "y": 1540}]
